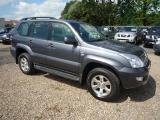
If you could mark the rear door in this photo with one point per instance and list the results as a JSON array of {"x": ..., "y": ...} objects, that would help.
[{"x": 38, "y": 41}]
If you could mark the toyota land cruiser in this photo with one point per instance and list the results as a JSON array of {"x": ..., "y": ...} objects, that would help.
[{"x": 77, "y": 51}]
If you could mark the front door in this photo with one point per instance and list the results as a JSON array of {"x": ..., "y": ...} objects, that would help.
[{"x": 65, "y": 56}]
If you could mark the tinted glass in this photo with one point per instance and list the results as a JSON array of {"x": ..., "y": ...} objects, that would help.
[
  {"x": 155, "y": 30},
  {"x": 40, "y": 30},
  {"x": 23, "y": 29},
  {"x": 2, "y": 30},
  {"x": 59, "y": 31},
  {"x": 128, "y": 29}
]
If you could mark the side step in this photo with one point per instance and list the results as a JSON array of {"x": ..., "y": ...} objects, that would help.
[{"x": 56, "y": 72}]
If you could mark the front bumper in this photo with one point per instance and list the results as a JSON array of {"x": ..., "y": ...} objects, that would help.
[
  {"x": 128, "y": 76},
  {"x": 130, "y": 40},
  {"x": 6, "y": 40},
  {"x": 149, "y": 41}
]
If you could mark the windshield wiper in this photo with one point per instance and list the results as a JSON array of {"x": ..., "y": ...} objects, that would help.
[{"x": 100, "y": 39}]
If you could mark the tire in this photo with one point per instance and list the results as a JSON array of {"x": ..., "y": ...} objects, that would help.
[
  {"x": 24, "y": 59},
  {"x": 5, "y": 43},
  {"x": 136, "y": 41},
  {"x": 110, "y": 85},
  {"x": 157, "y": 53},
  {"x": 145, "y": 45}
]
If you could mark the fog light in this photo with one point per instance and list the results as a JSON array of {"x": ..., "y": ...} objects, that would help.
[
  {"x": 131, "y": 40},
  {"x": 140, "y": 79}
]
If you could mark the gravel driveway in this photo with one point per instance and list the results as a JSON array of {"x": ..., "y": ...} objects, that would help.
[{"x": 47, "y": 97}]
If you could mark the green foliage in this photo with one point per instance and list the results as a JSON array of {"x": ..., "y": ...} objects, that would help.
[
  {"x": 66, "y": 9},
  {"x": 106, "y": 12}
]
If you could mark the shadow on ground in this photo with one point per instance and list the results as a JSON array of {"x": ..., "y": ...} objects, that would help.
[
  {"x": 65, "y": 81},
  {"x": 158, "y": 54},
  {"x": 139, "y": 94},
  {"x": 5, "y": 49}
]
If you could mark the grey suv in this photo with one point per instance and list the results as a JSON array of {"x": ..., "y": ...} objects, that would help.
[{"x": 77, "y": 51}]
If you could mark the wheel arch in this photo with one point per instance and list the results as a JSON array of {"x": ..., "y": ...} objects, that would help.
[
  {"x": 22, "y": 49},
  {"x": 93, "y": 65}
]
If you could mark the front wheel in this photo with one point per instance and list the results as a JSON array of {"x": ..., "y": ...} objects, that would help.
[
  {"x": 136, "y": 41},
  {"x": 103, "y": 84}
]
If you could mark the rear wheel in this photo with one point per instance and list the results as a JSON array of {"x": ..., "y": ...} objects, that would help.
[
  {"x": 25, "y": 63},
  {"x": 103, "y": 84},
  {"x": 4, "y": 42}
]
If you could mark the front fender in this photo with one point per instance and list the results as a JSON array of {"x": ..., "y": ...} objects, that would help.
[{"x": 114, "y": 65}]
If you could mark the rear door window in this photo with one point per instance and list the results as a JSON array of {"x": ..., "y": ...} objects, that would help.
[
  {"x": 23, "y": 29},
  {"x": 40, "y": 30}
]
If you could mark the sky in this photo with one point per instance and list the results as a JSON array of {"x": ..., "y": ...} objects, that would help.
[{"x": 17, "y": 9}]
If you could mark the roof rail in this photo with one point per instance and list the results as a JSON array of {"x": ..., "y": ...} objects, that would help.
[{"x": 34, "y": 18}]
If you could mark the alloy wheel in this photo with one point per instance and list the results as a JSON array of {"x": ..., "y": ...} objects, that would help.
[
  {"x": 24, "y": 64},
  {"x": 101, "y": 85}
]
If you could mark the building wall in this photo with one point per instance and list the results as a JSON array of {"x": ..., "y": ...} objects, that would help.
[{"x": 2, "y": 22}]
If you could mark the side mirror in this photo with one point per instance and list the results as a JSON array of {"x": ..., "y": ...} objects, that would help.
[{"x": 70, "y": 40}]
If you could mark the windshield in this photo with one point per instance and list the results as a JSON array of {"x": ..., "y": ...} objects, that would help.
[
  {"x": 128, "y": 29},
  {"x": 154, "y": 30},
  {"x": 88, "y": 32},
  {"x": 2, "y": 30}
]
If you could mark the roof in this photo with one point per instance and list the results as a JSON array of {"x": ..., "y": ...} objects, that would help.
[
  {"x": 73, "y": 21},
  {"x": 50, "y": 19},
  {"x": 37, "y": 18}
]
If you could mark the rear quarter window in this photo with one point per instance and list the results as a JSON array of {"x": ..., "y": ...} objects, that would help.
[{"x": 23, "y": 29}]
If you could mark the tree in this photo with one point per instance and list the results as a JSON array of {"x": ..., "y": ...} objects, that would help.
[
  {"x": 137, "y": 12},
  {"x": 107, "y": 12},
  {"x": 126, "y": 12},
  {"x": 66, "y": 9},
  {"x": 96, "y": 12},
  {"x": 145, "y": 9}
]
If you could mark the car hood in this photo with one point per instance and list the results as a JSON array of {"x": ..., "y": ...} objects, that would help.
[
  {"x": 119, "y": 47},
  {"x": 153, "y": 34},
  {"x": 127, "y": 33}
]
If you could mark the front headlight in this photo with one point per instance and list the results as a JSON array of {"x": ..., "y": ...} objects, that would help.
[
  {"x": 134, "y": 61},
  {"x": 116, "y": 35},
  {"x": 158, "y": 42},
  {"x": 147, "y": 36},
  {"x": 4, "y": 36}
]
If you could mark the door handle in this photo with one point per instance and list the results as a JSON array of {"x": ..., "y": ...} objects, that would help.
[
  {"x": 51, "y": 45},
  {"x": 30, "y": 41}
]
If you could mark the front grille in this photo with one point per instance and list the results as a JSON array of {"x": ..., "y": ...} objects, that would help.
[{"x": 123, "y": 35}]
